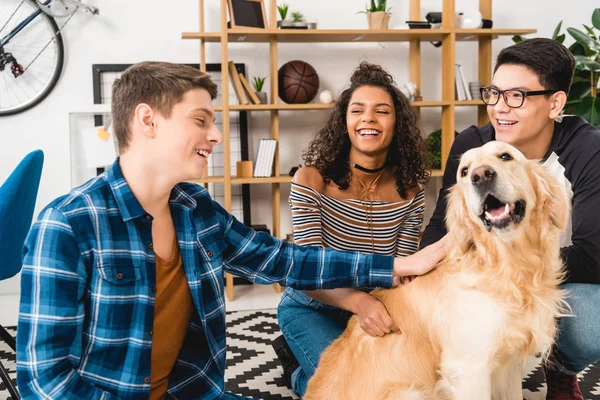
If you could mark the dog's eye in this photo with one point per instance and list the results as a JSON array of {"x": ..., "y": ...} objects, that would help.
[
  {"x": 464, "y": 171},
  {"x": 505, "y": 157}
]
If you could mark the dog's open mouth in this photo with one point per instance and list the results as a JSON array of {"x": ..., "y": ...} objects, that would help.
[{"x": 497, "y": 214}]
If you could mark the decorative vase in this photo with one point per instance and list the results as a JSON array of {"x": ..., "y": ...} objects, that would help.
[
  {"x": 378, "y": 20},
  {"x": 262, "y": 96}
]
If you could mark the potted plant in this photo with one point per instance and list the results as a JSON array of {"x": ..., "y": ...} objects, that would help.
[
  {"x": 433, "y": 141},
  {"x": 583, "y": 97},
  {"x": 298, "y": 19},
  {"x": 378, "y": 16},
  {"x": 283, "y": 11},
  {"x": 258, "y": 83}
]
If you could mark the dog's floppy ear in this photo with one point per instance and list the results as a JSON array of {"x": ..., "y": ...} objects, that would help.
[
  {"x": 457, "y": 220},
  {"x": 552, "y": 199}
]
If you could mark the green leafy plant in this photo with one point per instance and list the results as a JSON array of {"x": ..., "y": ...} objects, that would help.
[
  {"x": 258, "y": 83},
  {"x": 283, "y": 10},
  {"x": 434, "y": 148},
  {"x": 297, "y": 16},
  {"x": 583, "y": 97},
  {"x": 376, "y": 5}
]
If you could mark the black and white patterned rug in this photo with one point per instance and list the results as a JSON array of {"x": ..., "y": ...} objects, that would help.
[{"x": 253, "y": 369}]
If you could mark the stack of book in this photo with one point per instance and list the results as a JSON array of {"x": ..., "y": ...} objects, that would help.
[
  {"x": 474, "y": 89},
  {"x": 462, "y": 89},
  {"x": 241, "y": 86},
  {"x": 263, "y": 167}
]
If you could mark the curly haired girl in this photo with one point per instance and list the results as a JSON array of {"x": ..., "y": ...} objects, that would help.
[{"x": 360, "y": 189}]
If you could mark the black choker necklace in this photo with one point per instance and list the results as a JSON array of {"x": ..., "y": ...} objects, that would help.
[{"x": 370, "y": 171}]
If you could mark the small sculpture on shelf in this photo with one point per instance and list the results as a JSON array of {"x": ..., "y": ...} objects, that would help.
[
  {"x": 409, "y": 89},
  {"x": 326, "y": 97}
]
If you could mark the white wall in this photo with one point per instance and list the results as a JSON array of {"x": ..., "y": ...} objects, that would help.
[{"x": 135, "y": 30}]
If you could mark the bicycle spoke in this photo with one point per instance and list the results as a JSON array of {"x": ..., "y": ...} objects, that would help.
[
  {"x": 12, "y": 15},
  {"x": 35, "y": 50},
  {"x": 15, "y": 95}
]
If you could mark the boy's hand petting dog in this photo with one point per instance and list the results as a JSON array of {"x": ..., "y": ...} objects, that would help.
[
  {"x": 421, "y": 262},
  {"x": 374, "y": 318}
]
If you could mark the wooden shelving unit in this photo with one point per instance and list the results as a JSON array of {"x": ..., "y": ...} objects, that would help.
[
  {"x": 351, "y": 35},
  {"x": 317, "y": 106},
  {"x": 449, "y": 35}
]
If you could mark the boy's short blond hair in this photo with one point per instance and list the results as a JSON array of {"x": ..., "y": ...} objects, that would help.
[{"x": 161, "y": 85}]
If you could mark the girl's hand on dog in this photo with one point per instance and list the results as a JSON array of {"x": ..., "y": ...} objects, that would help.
[
  {"x": 420, "y": 262},
  {"x": 374, "y": 317}
]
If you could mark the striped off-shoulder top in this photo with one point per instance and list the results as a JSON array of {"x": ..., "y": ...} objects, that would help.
[{"x": 320, "y": 220}]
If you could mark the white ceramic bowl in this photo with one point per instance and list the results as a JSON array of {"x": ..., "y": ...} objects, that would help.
[{"x": 470, "y": 19}]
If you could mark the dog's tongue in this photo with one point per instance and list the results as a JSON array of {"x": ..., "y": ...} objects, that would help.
[{"x": 496, "y": 211}]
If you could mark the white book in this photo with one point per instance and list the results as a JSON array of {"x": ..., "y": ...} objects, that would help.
[
  {"x": 270, "y": 157},
  {"x": 264, "y": 159},
  {"x": 465, "y": 83},
  {"x": 460, "y": 87},
  {"x": 266, "y": 169},
  {"x": 259, "y": 157}
]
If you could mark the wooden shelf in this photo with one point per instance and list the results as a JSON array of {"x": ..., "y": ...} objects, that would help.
[
  {"x": 271, "y": 107},
  {"x": 349, "y": 35},
  {"x": 469, "y": 103},
  {"x": 272, "y": 179},
  {"x": 319, "y": 106},
  {"x": 469, "y": 34},
  {"x": 251, "y": 180},
  {"x": 209, "y": 179}
]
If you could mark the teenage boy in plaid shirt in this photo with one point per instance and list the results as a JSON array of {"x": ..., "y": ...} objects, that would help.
[{"x": 122, "y": 286}]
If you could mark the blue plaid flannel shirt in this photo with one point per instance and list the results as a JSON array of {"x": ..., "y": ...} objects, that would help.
[{"x": 87, "y": 298}]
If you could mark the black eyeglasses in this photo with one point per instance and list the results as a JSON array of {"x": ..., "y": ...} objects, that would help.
[{"x": 513, "y": 98}]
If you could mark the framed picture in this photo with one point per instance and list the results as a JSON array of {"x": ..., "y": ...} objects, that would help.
[
  {"x": 247, "y": 14},
  {"x": 103, "y": 76}
]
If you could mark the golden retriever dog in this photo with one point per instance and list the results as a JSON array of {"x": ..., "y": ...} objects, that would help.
[{"x": 468, "y": 324}]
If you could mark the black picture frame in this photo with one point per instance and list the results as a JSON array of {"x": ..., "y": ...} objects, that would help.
[
  {"x": 99, "y": 69},
  {"x": 247, "y": 14}
]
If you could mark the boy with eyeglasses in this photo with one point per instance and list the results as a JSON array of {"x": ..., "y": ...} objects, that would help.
[{"x": 528, "y": 93}]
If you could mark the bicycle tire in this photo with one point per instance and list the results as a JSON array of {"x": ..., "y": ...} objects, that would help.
[{"x": 60, "y": 50}]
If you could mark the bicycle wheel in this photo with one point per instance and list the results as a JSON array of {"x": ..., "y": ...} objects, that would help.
[{"x": 31, "y": 61}]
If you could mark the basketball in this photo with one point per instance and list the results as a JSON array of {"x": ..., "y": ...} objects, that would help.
[{"x": 298, "y": 82}]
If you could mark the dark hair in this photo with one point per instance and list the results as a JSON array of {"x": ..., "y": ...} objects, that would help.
[
  {"x": 552, "y": 62},
  {"x": 161, "y": 85},
  {"x": 329, "y": 151}
]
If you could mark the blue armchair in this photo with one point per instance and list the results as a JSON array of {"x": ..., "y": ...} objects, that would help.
[{"x": 17, "y": 202}]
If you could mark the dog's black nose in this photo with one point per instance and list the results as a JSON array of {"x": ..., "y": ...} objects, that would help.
[{"x": 483, "y": 175}]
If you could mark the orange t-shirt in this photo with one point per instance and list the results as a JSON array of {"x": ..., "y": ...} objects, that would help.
[{"x": 172, "y": 312}]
